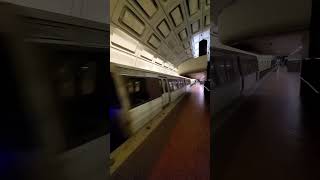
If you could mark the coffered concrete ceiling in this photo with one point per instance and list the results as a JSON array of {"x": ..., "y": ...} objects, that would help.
[{"x": 165, "y": 26}]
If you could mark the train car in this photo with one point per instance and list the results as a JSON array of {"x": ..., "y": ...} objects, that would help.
[
  {"x": 54, "y": 98},
  {"x": 234, "y": 74},
  {"x": 294, "y": 64},
  {"x": 273, "y": 62},
  {"x": 137, "y": 96}
]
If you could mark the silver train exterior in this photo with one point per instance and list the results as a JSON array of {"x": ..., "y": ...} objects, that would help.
[
  {"x": 234, "y": 75},
  {"x": 138, "y": 96}
]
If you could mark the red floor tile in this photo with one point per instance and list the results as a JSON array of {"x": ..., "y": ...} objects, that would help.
[{"x": 187, "y": 153}]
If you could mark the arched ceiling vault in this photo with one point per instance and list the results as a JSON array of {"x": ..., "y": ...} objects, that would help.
[{"x": 164, "y": 26}]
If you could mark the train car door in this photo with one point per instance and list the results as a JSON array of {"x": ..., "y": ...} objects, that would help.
[
  {"x": 169, "y": 90},
  {"x": 115, "y": 116},
  {"x": 165, "y": 94},
  {"x": 241, "y": 74}
]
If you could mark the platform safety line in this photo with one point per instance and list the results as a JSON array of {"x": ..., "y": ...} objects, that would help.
[
  {"x": 313, "y": 88},
  {"x": 123, "y": 152}
]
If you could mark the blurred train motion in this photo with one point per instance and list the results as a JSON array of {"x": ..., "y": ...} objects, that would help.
[
  {"x": 137, "y": 96},
  {"x": 233, "y": 74},
  {"x": 54, "y": 96}
]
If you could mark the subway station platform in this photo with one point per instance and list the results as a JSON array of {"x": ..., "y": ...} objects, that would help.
[
  {"x": 179, "y": 148},
  {"x": 271, "y": 136}
]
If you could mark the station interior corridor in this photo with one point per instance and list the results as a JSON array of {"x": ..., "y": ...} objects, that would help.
[
  {"x": 270, "y": 136},
  {"x": 179, "y": 148}
]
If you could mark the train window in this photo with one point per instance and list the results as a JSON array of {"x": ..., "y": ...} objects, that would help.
[
  {"x": 220, "y": 70},
  {"x": 80, "y": 89},
  {"x": 153, "y": 88},
  {"x": 246, "y": 67},
  {"x": 64, "y": 77},
  {"x": 229, "y": 69},
  {"x": 137, "y": 86},
  {"x": 170, "y": 85},
  {"x": 173, "y": 85},
  {"x": 236, "y": 68},
  {"x": 146, "y": 89},
  {"x": 136, "y": 97},
  {"x": 234, "y": 71},
  {"x": 176, "y": 84},
  {"x": 160, "y": 85},
  {"x": 165, "y": 86},
  {"x": 87, "y": 78},
  {"x": 130, "y": 87}
]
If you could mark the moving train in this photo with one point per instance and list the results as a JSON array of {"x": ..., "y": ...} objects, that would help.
[
  {"x": 233, "y": 74},
  {"x": 137, "y": 96},
  {"x": 54, "y": 95}
]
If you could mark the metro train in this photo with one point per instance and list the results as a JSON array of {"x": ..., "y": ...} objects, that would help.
[
  {"x": 137, "y": 96},
  {"x": 54, "y": 114},
  {"x": 233, "y": 74}
]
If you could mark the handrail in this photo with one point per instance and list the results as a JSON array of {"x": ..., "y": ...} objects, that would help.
[
  {"x": 206, "y": 88},
  {"x": 313, "y": 88}
]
